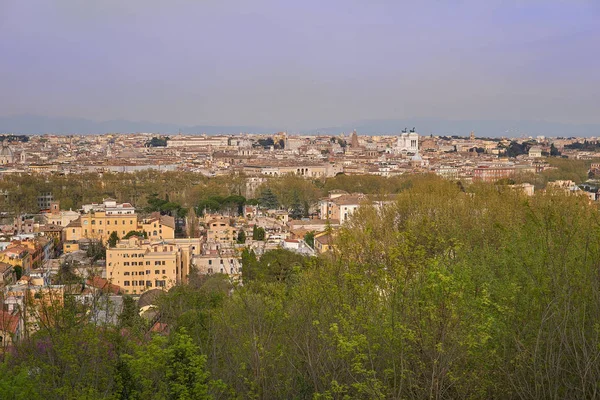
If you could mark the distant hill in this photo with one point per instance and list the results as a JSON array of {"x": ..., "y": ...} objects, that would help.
[
  {"x": 33, "y": 124},
  {"x": 498, "y": 128}
]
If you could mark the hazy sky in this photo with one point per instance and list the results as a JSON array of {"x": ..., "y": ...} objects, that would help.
[{"x": 300, "y": 64}]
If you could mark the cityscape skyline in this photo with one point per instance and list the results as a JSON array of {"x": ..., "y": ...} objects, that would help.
[{"x": 302, "y": 66}]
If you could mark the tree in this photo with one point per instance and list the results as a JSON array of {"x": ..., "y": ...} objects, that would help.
[
  {"x": 167, "y": 370},
  {"x": 258, "y": 233},
  {"x": 309, "y": 238},
  {"x": 140, "y": 234},
  {"x": 241, "y": 239},
  {"x": 113, "y": 239},
  {"x": 268, "y": 199},
  {"x": 296, "y": 210},
  {"x": 554, "y": 151},
  {"x": 18, "y": 271}
]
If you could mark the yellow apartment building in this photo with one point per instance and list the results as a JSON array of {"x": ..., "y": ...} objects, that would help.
[
  {"x": 100, "y": 220},
  {"x": 138, "y": 265},
  {"x": 220, "y": 230}
]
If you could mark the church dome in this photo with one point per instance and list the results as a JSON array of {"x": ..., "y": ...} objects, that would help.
[{"x": 5, "y": 150}]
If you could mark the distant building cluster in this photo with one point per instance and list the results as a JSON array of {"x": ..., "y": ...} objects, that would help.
[{"x": 118, "y": 250}]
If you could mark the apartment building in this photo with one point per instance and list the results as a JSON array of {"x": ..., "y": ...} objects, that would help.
[
  {"x": 98, "y": 221},
  {"x": 339, "y": 206},
  {"x": 138, "y": 265}
]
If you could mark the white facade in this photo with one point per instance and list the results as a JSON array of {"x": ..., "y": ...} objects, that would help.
[{"x": 408, "y": 142}]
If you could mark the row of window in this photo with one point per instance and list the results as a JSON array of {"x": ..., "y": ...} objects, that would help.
[
  {"x": 232, "y": 271},
  {"x": 221, "y": 261},
  {"x": 157, "y": 283},
  {"x": 85, "y": 222},
  {"x": 156, "y": 271}
]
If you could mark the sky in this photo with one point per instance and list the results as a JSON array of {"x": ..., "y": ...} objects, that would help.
[{"x": 301, "y": 64}]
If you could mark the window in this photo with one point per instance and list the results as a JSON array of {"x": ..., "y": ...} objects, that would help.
[
  {"x": 147, "y": 262},
  {"x": 157, "y": 271},
  {"x": 209, "y": 262},
  {"x": 126, "y": 273},
  {"x": 164, "y": 272},
  {"x": 221, "y": 261},
  {"x": 147, "y": 272},
  {"x": 149, "y": 283},
  {"x": 164, "y": 263},
  {"x": 125, "y": 283},
  {"x": 210, "y": 270},
  {"x": 141, "y": 273},
  {"x": 107, "y": 222},
  {"x": 93, "y": 222}
]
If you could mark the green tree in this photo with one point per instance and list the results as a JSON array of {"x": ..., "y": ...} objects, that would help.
[
  {"x": 258, "y": 233},
  {"x": 18, "y": 271},
  {"x": 113, "y": 239},
  {"x": 268, "y": 199},
  {"x": 309, "y": 238},
  {"x": 241, "y": 238},
  {"x": 167, "y": 370}
]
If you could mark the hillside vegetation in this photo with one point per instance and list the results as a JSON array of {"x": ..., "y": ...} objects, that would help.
[{"x": 448, "y": 293}]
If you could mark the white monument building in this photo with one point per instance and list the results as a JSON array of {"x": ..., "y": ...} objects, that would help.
[{"x": 408, "y": 142}]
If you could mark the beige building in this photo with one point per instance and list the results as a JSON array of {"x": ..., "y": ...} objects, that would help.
[
  {"x": 138, "y": 265},
  {"x": 59, "y": 217},
  {"x": 218, "y": 263},
  {"x": 158, "y": 227},
  {"x": 100, "y": 220},
  {"x": 340, "y": 206},
  {"x": 220, "y": 230}
]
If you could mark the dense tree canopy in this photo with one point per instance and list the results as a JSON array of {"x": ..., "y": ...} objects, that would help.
[{"x": 450, "y": 292}]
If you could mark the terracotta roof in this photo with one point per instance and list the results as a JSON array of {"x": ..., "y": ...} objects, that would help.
[
  {"x": 103, "y": 284},
  {"x": 4, "y": 267},
  {"x": 9, "y": 322}
]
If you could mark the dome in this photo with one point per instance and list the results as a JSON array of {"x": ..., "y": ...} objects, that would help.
[
  {"x": 417, "y": 157},
  {"x": 5, "y": 150}
]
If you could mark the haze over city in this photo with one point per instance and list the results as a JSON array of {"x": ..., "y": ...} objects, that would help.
[{"x": 500, "y": 67}]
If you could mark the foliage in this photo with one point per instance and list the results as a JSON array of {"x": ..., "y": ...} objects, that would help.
[
  {"x": 567, "y": 169},
  {"x": 258, "y": 233},
  {"x": 268, "y": 199},
  {"x": 241, "y": 238},
  {"x": 233, "y": 205},
  {"x": 14, "y": 138},
  {"x": 157, "y": 142},
  {"x": 18, "y": 271},
  {"x": 309, "y": 238},
  {"x": 96, "y": 250},
  {"x": 113, "y": 239},
  {"x": 450, "y": 292},
  {"x": 164, "y": 206},
  {"x": 141, "y": 234}
]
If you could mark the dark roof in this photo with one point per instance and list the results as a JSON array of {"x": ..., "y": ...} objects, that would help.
[{"x": 149, "y": 298}]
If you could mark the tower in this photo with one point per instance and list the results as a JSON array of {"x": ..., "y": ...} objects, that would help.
[{"x": 354, "y": 140}]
